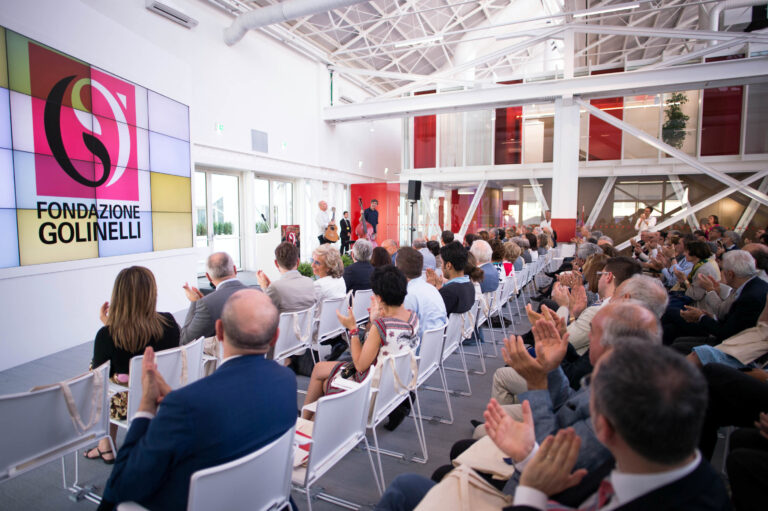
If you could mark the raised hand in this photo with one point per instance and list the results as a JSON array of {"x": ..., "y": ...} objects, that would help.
[
  {"x": 193, "y": 294},
  {"x": 347, "y": 322},
  {"x": 550, "y": 346},
  {"x": 561, "y": 295},
  {"x": 434, "y": 279},
  {"x": 517, "y": 357},
  {"x": 578, "y": 300},
  {"x": 761, "y": 424},
  {"x": 264, "y": 281},
  {"x": 708, "y": 283},
  {"x": 104, "y": 312},
  {"x": 154, "y": 388},
  {"x": 681, "y": 277},
  {"x": 691, "y": 314},
  {"x": 558, "y": 321},
  {"x": 533, "y": 316},
  {"x": 550, "y": 470},
  {"x": 515, "y": 439}
]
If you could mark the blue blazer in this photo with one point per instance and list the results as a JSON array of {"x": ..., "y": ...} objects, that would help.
[
  {"x": 743, "y": 313},
  {"x": 247, "y": 403}
]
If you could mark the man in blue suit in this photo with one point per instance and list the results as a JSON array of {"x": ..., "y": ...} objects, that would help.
[{"x": 247, "y": 403}]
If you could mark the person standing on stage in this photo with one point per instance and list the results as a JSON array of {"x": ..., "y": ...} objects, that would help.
[
  {"x": 372, "y": 216},
  {"x": 346, "y": 230},
  {"x": 645, "y": 221},
  {"x": 323, "y": 220}
]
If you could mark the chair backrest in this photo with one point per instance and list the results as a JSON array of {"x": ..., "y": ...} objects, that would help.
[
  {"x": 431, "y": 351},
  {"x": 328, "y": 325},
  {"x": 41, "y": 426},
  {"x": 178, "y": 366},
  {"x": 508, "y": 287},
  {"x": 453, "y": 335},
  {"x": 339, "y": 425},
  {"x": 295, "y": 332},
  {"x": 389, "y": 392},
  {"x": 258, "y": 481},
  {"x": 361, "y": 301},
  {"x": 534, "y": 256}
]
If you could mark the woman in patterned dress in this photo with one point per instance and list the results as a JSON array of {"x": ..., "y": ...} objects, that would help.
[{"x": 392, "y": 328}]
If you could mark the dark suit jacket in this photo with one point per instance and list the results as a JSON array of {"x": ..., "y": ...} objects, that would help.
[
  {"x": 346, "y": 229},
  {"x": 743, "y": 313},
  {"x": 247, "y": 403},
  {"x": 358, "y": 276},
  {"x": 203, "y": 313},
  {"x": 701, "y": 490}
]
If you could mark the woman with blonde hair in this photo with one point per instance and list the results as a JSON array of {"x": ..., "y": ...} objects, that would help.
[
  {"x": 512, "y": 260},
  {"x": 591, "y": 269},
  {"x": 131, "y": 323},
  {"x": 329, "y": 269}
]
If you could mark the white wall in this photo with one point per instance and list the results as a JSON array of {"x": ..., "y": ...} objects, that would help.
[{"x": 256, "y": 84}]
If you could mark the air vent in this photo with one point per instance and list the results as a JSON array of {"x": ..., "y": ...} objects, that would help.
[
  {"x": 173, "y": 14},
  {"x": 259, "y": 141}
]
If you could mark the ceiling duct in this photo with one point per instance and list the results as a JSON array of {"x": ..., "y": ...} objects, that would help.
[
  {"x": 172, "y": 13},
  {"x": 719, "y": 7},
  {"x": 278, "y": 13}
]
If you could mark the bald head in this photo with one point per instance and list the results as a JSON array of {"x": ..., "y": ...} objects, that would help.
[
  {"x": 621, "y": 319},
  {"x": 390, "y": 246},
  {"x": 756, "y": 248},
  {"x": 248, "y": 322},
  {"x": 647, "y": 290},
  {"x": 220, "y": 266}
]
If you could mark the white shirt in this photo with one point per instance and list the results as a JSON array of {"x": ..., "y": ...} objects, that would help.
[
  {"x": 329, "y": 287},
  {"x": 545, "y": 224},
  {"x": 627, "y": 487},
  {"x": 643, "y": 224},
  {"x": 322, "y": 219}
]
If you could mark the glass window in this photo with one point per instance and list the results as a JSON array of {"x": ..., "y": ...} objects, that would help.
[
  {"x": 642, "y": 112},
  {"x": 282, "y": 203},
  {"x": 225, "y": 213},
  {"x": 261, "y": 204},
  {"x": 681, "y": 107},
  {"x": 757, "y": 119},
  {"x": 538, "y": 133},
  {"x": 479, "y": 134},
  {"x": 451, "y": 140},
  {"x": 201, "y": 219},
  {"x": 532, "y": 211}
]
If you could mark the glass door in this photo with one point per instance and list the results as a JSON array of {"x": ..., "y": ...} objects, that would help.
[{"x": 217, "y": 214}]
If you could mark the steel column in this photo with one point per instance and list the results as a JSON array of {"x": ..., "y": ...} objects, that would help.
[
  {"x": 749, "y": 213},
  {"x": 598, "y": 207}
]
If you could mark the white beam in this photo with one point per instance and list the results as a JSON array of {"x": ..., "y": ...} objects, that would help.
[
  {"x": 676, "y": 153},
  {"x": 598, "y": 207},
  {"x": 539, "y": 193},
  {"x": 749, "y": 213},
  {"x": 701, "y": 205},
  {"x": 631, "y": 83},
  {"x": 685, "y": 57},
  {"x": 669, "y": 33},
  {"x": 409, "y": 77},
  {"x": 472, "y": 208},
  {"x": 677, "y": 185}
]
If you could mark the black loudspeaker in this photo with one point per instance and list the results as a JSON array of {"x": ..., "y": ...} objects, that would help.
[{"x": 414, "y": 190}]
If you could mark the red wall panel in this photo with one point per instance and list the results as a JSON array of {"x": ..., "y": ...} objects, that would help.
[
  {"x": 721, "y": 121},
  {"x": 605, "y": 139},
  {"x": 424, "y": 139},
  {"x": 388, "y": 195},
  {"x": 509, "y": 133}
]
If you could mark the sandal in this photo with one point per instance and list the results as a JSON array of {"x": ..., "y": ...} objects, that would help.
[{"x": 100, "y": 455}]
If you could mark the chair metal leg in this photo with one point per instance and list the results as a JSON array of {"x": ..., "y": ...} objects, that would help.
[
  {"x": 419, "y": 429},
  {"x": 382, "y": 484},
  {"x": 444, "y": 390},
  {"x": 373, "y": 467},
  {"x": 77, "y": 492}
]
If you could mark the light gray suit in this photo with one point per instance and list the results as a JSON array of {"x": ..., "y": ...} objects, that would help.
[
  {"x": 292, "y": 292},
  {"x": 203, "y": 313}
]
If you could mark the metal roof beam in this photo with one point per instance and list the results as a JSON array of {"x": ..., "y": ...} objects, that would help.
[{"x": 631, "y": 83}]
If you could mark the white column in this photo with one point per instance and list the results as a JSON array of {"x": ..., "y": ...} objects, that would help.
[{"x": 565, "y": 172}]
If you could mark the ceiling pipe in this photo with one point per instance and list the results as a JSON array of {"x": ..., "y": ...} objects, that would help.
[
  {"x": 277, "y": 13},
  {"x": 719, "y": 7}
]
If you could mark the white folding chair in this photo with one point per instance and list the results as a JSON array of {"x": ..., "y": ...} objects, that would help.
[
  {"x": 431, "y": 361},
  {"x": 361, "y": 302},
  {"x": 337, "y": 428},
  {"x": 260, "y": 481},
  {"x": 394, "y": 387},
  {"x": 327, "y": 324},
  {"x": 44, "y": 425},
  {"x": 295, "y": 333},
  {"x": 178, "y": 366}
]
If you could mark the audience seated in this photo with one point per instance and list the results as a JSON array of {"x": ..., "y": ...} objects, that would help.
[
  {"x": 393, "y": 328},
  {"x": 512, "y": 260},
  {"x": 328, "y": 269},
  {"x": 357, "y": 275},
  {"x": 131, "y": 324},
  {"x": 482, "y": 252},
  {"x": 292, "y": 291},
  {"x": 247, "y": 403},
  {"x": 422, "y": 298},
  {"x": 428, "y": 259},
  {"x": 457, "y": 291},
  {"x": 206, "y": 309},
  {"x": 434, "y": 248},
  {"x": 380, "y": 257},
  {"x": 446, "y": 237},
  {"x": 391, "y": 247}
]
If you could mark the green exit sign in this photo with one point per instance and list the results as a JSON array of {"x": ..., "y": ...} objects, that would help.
[{"x": 218, "y": 127}]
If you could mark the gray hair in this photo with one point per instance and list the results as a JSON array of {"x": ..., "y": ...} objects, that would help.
[
  {"x": 606, "y": 238},
  {"x": 362, "y": 250},
  {"x": 419, "y": 243},
  {"x": 646, "y": 290},
  {"x": 733, "y": 236},
  {"x": 220, "y": 265},
  {"x": 482, "y": 252},
  {"x": 740, "y": 262},
  {"x": 331, "y": 260},
  {"x": 587, "y": 249},
  {"x": 596, "y": 234},
  {"x": 654, "y": 399},
  {"x": 630, "y": 318}
]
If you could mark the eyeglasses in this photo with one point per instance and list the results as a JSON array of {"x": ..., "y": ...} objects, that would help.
[
  {"x": 315, "y": 261},
  {"x": 601, "y": 273}
]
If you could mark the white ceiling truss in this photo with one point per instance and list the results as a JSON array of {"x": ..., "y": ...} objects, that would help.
[{"x": 394, "y": 47}]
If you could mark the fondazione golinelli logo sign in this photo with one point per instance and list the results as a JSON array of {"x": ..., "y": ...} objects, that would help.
[{"x": 85, "y": 145}]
